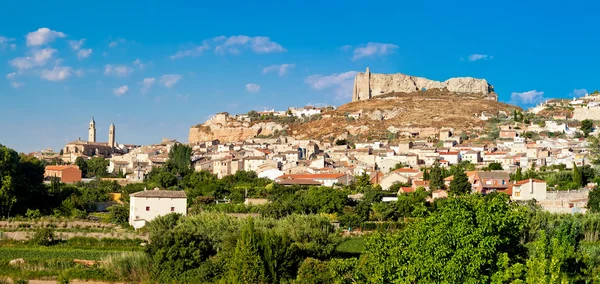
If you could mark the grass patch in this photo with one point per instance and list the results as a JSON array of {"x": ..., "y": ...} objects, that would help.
[
  {"x": 354, "y": 245},
  {"x": 52, "y": 253}
]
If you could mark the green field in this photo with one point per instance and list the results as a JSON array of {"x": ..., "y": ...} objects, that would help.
[{"x": 51, "y": 253}]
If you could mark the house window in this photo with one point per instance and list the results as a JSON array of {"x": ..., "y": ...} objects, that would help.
[
  {"x": 147, "y": 208},
  {"x": 517, "y": 194},
  {"x": 503, "y": 182},
  {"x": 172, "y": 209}
]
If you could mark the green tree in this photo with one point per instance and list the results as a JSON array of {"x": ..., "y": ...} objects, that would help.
[
  {"x": 426, "y": 174},
  {"x": 119, "y": 214},
  {"x": 593, "y": 203},
  {"x": 363, "y": 181},
  {"x": 586, "y": 127},
  {"x": 246, "y": 265},
  {"x": 463, "y": 241},
  {"x": 576, "y": 175},
  {"x": 97, "y": 167},
  {"x": 518, "y": 174},
  {"x": 460, "y": 184},
  {"x": 397, "y": 166},
  {"x": 436, "y": 180},
  {"x": 179, "y": 162},
  {"x": 82, "y": 164},
  {"x": 494, "y": 167}
]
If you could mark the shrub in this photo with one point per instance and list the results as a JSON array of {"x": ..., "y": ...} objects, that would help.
[
  {"x": 33, "y": 214},
  {"x": 132, "y": 266},
  {"x": 44, "y": 237}
]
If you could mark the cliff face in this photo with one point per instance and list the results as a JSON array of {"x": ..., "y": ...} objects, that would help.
[
  {"x": 367, "y": 85},
  {"x": 226, "y": 128}
]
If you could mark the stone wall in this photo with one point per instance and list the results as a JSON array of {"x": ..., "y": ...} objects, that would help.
[
  {"x": 368, "y": 85},
  {"x": 586, "y": 113}
]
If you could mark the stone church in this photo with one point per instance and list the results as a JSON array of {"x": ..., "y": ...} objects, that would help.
[{"x": 90, "y": 147}]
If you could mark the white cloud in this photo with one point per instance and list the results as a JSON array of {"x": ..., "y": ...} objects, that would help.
[
  {"x": 39, "y": 58},
  {"x": 280, "y": 69},
  {"x": 4, "y": 42},
  {"x": 170, "y": 80},
  {"x": 527, "y": 98},
  {"x": 578, "y": 93},
  {"x": 120, "y": 91},
  {"x": 117, "y": 70},
  {"x": 138, "y": 63},
  {"x": 258, "y": 44},
  {"x": 346, "y": 47},
  {"x": 84, "y": 53},
  {"x": 58, "y": 73},
  {"x": 115, "y": 43},
  {"x": 43, "y": 36},
  {"x": 372, "y": 49},
  {"x": 16, "y": 84},
  {"x": 252, "y": 88},
  {"x": 475, "y": 57},
  {"x": 76, "y": 44},
  {"x": 11, "y": 76},
  {"x": 193, "y": 52},
  {"x": 341, "y": 84},
  {"x": 147, "y": 84}
]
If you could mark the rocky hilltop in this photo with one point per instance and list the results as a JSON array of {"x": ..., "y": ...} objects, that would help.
[
  {"x": 227, "y": 128},
  {"x": 391, "y": 116},
  {"x": 368, "y": 85}
]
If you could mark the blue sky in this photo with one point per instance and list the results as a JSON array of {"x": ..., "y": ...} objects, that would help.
[{"x": 155, "y": 68}]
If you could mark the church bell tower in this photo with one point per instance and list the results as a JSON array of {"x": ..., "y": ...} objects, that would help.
[
  {"x": 92, "y": 131},
  {"x": 111, "y": 136}
]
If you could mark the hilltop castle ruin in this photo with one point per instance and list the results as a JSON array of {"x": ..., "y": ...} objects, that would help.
[{"x": 368, "y": 85}]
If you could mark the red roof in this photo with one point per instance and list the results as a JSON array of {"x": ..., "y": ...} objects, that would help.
[
  {"x": 423, "y": 183},
  {"x": 448, "y": 153},
  {"x": 311, "y": 176},
  {"x": 406, "y": 170},
  {"x": 522, "y": 182},
  {"x": 406, "y": 189},
  {"x": 60, "y": 168}
]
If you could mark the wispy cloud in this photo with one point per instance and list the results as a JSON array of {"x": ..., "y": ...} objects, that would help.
[
  {"x": 43, "y": 36},
  {"x": 373, "y": 49},
  {"x": 231, "y": 45},
  {"x": 169, "y": 80},
  {"x": 76, "y": 44},
  {"x": 527, "y": 98},
  {"x": 39, "y": 57},
  {"x": 120, "y": 91},
  {"x": 12, "y": 77},
  {"x": 578, "y": 93},
  {"x": 5, "y": 42},
  {"x": 252, "y": 88},
  {"x": 475, "y": 57},
  {"x": 138, "y": 63},
  {"x": 341, "y": 84},
  {"x": 84, "y": 53},
  {"x": 117, "y": 70},
  {"x": 147, "y": 84},
  {"x": 280, "y": 69},
  {"x": 116, "y": 42},
  {"x": 191, "y": 52},
  {"x": 58, "y": 73}
]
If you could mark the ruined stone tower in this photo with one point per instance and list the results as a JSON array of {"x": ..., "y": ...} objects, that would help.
[{"x": 92, "y": 131}]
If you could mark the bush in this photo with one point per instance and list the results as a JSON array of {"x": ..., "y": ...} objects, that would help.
[
  {"x": 132, "y": 266},
  {"x": 44, "y": 237},
  {"x": 33, "y": 214}
]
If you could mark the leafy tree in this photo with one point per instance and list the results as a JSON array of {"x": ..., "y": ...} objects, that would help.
[
  {"x": 586, "y": 127},
  {"x": 179, "y": 162},
  {"x": 518, "y": 174},
  {"x": 313, "y": 271},
  {"x": 97, "y": 167},
  {"x": 82, "y": 164},
  {"x": 119, "y": 214},
  {"x": 44, "y": 237},
  {"x": 363, "y": 181},
  {"x": 576, "y": 175},
  {"x": 21, "y": 186},
  {"x": 246, "y": 265},
  {"x": 460, "y": 184},
  {"x": 593, "y": 203},
  {"x": 436, "y": 180},
  {"x": 426, "y": 174},
  {"x": 397, "y": 166},
  {"x": 408, "y": 202},
  {"x": 494, "y": 167},
  {"x": 462, "y": 241}
]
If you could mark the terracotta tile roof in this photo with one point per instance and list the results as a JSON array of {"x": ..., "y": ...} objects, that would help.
[
  {"x": 311, "y": 176},
  {"x": 448, "y": 153},
  {"x": 160, "y": 194},
  {"x": 406, "y": 170},
  {"x": 423, "y": 183},
  {"x": 298, "y": 182},
  {"x": 61, "y": 167},
  {"x": 522, "y": 182},
  {"x": 406, "y": 189}
]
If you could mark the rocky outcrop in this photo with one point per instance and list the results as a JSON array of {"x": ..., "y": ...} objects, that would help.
[
  {"x": 225, "y": 128},
  {"x": 367, "y": 85}
]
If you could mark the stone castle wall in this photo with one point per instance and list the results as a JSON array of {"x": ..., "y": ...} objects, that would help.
[
  {"x": 586, "y": 113},
  {"x": 368, "y": 85}
]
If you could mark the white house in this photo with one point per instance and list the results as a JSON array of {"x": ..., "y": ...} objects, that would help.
[
  {"x": 529, "y": 189},
  {"x": 146, "y": 205}
]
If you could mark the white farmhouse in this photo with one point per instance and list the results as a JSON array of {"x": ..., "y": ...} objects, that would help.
[
  {"x": 146, "y": 205},
  {"x": 529, "y": 189}
]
